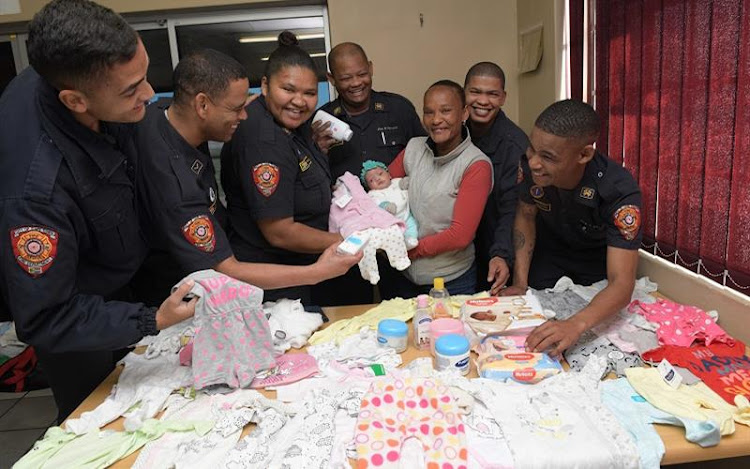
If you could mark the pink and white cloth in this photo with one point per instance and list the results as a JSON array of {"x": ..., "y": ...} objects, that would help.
[{"x": 681, "y": 324}]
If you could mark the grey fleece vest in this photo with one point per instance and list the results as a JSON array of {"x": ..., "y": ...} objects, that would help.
[{"x": 433, "y": 188}]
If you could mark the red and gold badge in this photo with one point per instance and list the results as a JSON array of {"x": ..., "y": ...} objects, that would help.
[
  {"x": 34, "y": 247},
  {"x": 519, "y": 177},
  {"x": 199, "y": 231},
  {"x": 266, "y": 177},
  {"x": 628, "y": 220}
]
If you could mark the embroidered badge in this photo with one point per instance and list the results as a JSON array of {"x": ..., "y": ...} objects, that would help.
[
  {"x": 34, "y": 247},
  {"x": 537, "y": 192},
  {"x": 305, "y": 163},
  {"x": 337, "y": 111},
  {"x": 199, "y": 231},
  {"x": 587, "y": 193},
  {"x": 543, "y": 205},
  {"x": 379, "y": 106},
  {"x": 519, "y": 177},
  {"x": 628, "y": 220},
  {"x": 197, "y": 167},
  {"x": 266, "y": 177}
]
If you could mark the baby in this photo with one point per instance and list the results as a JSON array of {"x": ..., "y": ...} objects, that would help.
[{"x": 391, "y": 195}]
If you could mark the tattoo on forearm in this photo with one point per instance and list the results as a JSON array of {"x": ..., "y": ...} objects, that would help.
[{"x": 518, "y": 240}]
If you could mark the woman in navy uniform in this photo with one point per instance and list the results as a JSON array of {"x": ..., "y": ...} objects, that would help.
[
  {"x": 278, "y": 185},
  {"x": 578, "y": 216}
]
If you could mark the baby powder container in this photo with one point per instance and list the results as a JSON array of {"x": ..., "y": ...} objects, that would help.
[
  {"x": 452, "y": 353},
  {"x": 392, "y": 333},
  {"x": 340, "y": 130},
  {"x": 443, "y": 326}
]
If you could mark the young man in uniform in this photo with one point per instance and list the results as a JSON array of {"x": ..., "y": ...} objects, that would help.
[
  {"x": 504, "y": 143},
  {"x": 178, "y": 194},
  {"x": 578, "y": 216},
  {"x": 67, "y": 197},
  {"x": 383, "y": 123}
]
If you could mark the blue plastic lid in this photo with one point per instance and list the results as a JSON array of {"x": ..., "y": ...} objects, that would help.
[
  {"x": 452, "y": 344},
  {"x": 392, "y": 327}
]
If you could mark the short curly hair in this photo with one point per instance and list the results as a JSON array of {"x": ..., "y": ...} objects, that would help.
[{"x": 570, "y": 118}]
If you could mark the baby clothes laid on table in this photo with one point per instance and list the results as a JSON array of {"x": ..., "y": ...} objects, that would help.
[
  {"x": 397, "y": 308},
  {"x": 637, "y": 416},
  {"x": 232, "y": 338},
  {"x": 560, "y": 422},
  {"x": 723, "y": 367},
  {"x": 680, "y": 324},
  {"x": 170, "y": 340},
  {"x": 98, "y": 449},
  {"x": 289, "y": 368},
  {"x": 589, "y": 344},
  {"x": 397, "y": 195},
  {"x": 356, "y": 351},
  {"x": 396, "y": 409},
  {"x": 697, "y": 402},
  {"x": 145, "y": 382},
  {"x": 564, "y": 303},
  {"x": 291, "y": 326}
]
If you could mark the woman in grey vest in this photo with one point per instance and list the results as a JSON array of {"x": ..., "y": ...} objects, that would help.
[{"x": 450, "y": 180}]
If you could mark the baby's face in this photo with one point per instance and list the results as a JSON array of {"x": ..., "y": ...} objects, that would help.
[{"x": 377, "y": 178}]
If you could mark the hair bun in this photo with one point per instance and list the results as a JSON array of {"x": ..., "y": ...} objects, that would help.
[{"x": 287, "y": 38}]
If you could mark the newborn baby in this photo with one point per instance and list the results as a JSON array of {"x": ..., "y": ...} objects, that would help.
[{"x": 391, "y": 195}]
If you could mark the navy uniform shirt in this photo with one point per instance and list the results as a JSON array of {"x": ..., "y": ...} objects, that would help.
[
  {"x": 603, "y": 210},
  {"x": 72, "y": 237},
  {"x": 505, "y": 143},
  {"x": 269, "y": 172},
  {"x": 179, "y": 207},
  {"x": 380, "y": 133}
]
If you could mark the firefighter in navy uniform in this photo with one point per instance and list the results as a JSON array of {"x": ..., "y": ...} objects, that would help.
[
  {"x": 178, "y": 194},
  {"x": 67, "y": 197},
  {"x": 578, "y": 216},
  {"x": 504, "y": 143},
  {"x": 278, "y": 186},
  {"x": 383, "y": 123}
]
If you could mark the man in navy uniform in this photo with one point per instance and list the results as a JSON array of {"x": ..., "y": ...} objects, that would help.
[
  {"x": 67, "y": 197},
  {"x": 178, "y": 196},
  {"x": 504, "y": 143},
  {"x": 382, "y": 123},
  {"x": 578, "y": 216}
]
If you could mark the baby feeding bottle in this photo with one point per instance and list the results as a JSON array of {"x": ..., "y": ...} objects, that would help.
[
  {"x": 441, "y": 299},
  {"x": 339, "y": 129}
]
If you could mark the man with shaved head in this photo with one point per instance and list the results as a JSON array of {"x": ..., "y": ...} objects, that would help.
[{"x": 382, "y": 123}]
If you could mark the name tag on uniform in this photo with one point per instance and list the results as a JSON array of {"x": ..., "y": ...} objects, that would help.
[{"x": 342, "y": 201}]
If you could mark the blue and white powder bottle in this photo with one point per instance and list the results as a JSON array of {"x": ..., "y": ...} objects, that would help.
[
  {"x": 393, "y": 333},
  {"x": 452, "y": 353}
]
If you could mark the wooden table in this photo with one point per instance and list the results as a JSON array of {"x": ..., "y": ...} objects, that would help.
[{"x": 678, "y": 449}]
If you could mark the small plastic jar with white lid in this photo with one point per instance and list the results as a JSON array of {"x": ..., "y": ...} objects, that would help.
[
  {"x": 452, "y": 352},
  {"x": 393, "y": 333}
]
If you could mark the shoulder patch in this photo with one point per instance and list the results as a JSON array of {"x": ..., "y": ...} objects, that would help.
[
  {"x": 627, "y": 219},
  {"x": 34, "y": 248},
  {"x": 199, "y": 231},
  {"x": 266, "y": 177}
]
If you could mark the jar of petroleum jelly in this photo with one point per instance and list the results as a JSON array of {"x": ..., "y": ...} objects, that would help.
[
  {"x": 452, "y": 353},
  {"x": 392, "y": 333},
  {"x": 443, "y": 326}
]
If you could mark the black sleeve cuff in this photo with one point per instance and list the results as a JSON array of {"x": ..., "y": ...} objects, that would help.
[{"x": 147, "y": 322}]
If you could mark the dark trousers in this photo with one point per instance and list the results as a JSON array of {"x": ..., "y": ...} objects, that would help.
[
  {"x": 464, "y": 284},
  {"x": 349, "y": 289},
  {"x": 74, "y": 375}
]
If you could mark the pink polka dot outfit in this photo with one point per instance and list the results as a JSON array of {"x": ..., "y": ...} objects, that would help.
[
  {"x": 232, "y": 339},
  {"x": 680, "y": 325},
  {"x": 396, "y": 409}
]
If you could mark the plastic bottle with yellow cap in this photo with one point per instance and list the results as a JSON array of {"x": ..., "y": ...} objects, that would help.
[{"x": 441, "y": 299}]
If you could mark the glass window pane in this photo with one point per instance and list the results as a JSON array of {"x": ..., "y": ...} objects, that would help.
[
  {"x": 156, "y": 42},
  {"x": 7, "y": 65}
]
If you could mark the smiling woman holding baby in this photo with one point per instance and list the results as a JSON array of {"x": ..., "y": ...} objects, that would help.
[{"x": 450, "y": 180}]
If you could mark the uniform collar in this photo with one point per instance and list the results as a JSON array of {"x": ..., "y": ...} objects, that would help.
[
  {"x": 494, "y": 135},
  {"x": 79, "y": 145},
  {"x": 587, "y": 190},
  {"x": 174, "y": 139},
  {"x": 453, "y": 154},
  {"x": 377, "y": 105}
]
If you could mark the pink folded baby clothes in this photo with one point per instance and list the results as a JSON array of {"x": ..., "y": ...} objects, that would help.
[
  {"x": 290, "y": 368},
  {"x": 680, "y": 324}
]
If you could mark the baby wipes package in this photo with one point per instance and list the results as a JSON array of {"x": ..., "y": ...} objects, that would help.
[{"x": 503, "y": 357}]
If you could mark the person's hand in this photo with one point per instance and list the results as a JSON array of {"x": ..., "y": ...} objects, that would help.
[
  {"x": 513, "y": 290},
  {"x": 554, "y": 337},
  {"x": 333, "y": 264},
  {"x": 322, "y": 136},
  {"x": 498, "y": 274},
  {"x": 173, "y": 309}
]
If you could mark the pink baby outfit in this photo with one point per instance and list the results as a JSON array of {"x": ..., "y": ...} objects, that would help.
[
  {"x": 394, "y": 410},
  {"x": 680, "y": 324},
  {"x": 361, "y": 213},
  {"x": 232, "y": 339}
]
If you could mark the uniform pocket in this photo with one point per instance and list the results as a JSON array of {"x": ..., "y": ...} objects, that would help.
[{"x": 391, "y": 138}]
